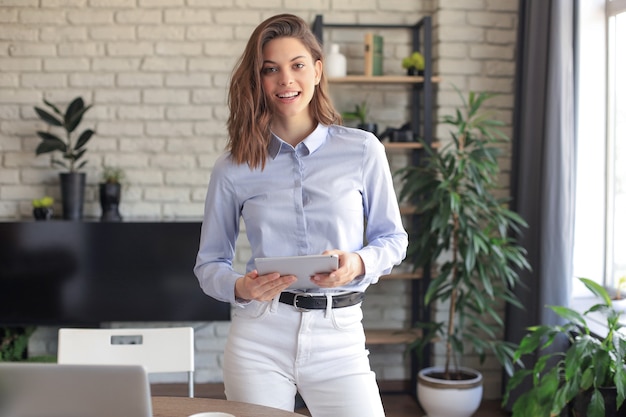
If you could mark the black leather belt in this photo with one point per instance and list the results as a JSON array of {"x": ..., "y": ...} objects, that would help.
[{"x": 304, "y": 301}]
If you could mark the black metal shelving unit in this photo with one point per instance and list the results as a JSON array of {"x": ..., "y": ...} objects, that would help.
[{"x": 422, "y": 103}]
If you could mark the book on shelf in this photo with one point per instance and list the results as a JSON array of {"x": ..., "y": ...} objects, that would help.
[{"x": 373, "y": 54}]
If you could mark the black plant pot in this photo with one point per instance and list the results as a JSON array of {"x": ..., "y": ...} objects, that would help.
[
  {"x": 42, "y": 213},
  {"x": 581, "y": 402},
  {"x": 370, "y": 127},
  {"x": 414, "y": 71},
  {"x": 73, "y": 194},
  {"x": 110, "y": 195}
]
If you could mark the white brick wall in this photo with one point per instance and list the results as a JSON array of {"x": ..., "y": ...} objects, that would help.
[{"x": 157, "y": 71}]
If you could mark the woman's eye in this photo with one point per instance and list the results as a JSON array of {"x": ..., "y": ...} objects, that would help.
[
  {"x": 269, "y": 70},
  {"x": 299, "y": 65}
]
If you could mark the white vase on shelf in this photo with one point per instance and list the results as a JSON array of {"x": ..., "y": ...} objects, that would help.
[{"x": 336, "y": 65}]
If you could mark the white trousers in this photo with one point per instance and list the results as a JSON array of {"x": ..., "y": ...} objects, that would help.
[{"x": 273, "y": 351}]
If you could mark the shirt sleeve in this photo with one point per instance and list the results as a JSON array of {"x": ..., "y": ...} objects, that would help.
[
  {"x": 386, "y": 238},
  {"x": 220, "y": 228}
]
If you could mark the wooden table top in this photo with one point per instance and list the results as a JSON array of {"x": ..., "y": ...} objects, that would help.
[{"x": 185, "y": 407}]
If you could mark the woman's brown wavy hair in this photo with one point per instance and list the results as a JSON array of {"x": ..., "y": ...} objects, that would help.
[{"x": 250, "y": 115}]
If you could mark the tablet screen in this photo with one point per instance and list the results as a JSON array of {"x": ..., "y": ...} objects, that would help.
[{"x": 303, "y": 267}]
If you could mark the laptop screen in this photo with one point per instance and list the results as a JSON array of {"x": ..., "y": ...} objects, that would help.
[{"x": 52, "y": 390}]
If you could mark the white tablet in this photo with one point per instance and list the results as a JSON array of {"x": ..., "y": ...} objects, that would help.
[{"x": 303, "y": 267}]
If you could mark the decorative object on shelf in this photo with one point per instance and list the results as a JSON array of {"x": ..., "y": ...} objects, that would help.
[
  {"x": 42, "y": 208},
  {"x": 414, "y": 64},
  {"x": 111, "y": 193},
  {"x": 403, "y": 134},
  {"x": 455, "y": 194},
  {"x": 72, "y": 182},
  {"x": 589, "y": 375},
  {"x": 336, "y": 64},
  {"x": 360, "y": 113},
  {"x": 373, "y": 55}
]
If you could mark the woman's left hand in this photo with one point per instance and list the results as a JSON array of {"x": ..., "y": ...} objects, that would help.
[{"x": 350, "y": 266}]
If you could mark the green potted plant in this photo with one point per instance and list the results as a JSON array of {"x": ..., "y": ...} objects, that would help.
[
  {"x": 360, "y": 113},
  {"x": 414, "y": 63},
  {"x": 14, "y": 343},
  {"x": 463, "y": 235},
  {"x": 589, "y": 376},
  {"x": 110, "y": 193},
  {"x": 42, "y": 208},
  {"x": 72, "y": 151}
]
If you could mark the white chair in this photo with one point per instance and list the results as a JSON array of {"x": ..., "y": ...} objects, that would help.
[{"x": 158, "y": 350}]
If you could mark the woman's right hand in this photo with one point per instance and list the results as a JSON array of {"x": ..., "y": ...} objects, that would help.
[{"x": 253, "y": 286}]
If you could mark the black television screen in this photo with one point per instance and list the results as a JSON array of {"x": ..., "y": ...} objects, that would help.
[{"x": 84, "y": 273}]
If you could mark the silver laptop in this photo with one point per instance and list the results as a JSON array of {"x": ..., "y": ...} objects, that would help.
[{"x": 52, "y": 390}]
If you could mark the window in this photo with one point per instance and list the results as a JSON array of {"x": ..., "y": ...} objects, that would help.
[
  {"x": 616, "y": 143},
  {"x": 600, "y": 229}
]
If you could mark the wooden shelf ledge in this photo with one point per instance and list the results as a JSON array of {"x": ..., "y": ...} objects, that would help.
[
  {"x": 382, "y": 79},
  {"x": 391, "y": 336},
  {"x": 407, "y": 145},
  {"x": 404, "y": 275}
]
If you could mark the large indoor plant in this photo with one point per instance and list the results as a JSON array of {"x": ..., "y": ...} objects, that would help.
[
  {"x": 72, "y": 151},
  {"x": 464, "y": 235},
  {"x": 589, "y": 376}
]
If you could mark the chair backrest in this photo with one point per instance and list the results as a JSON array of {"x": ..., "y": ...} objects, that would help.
[{"x": 158, "y": 350}]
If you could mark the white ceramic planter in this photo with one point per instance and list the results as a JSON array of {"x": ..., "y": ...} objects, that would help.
[{"x": 443, "y": 398}]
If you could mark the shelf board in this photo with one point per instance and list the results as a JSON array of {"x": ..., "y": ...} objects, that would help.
[
  {"x": 407, "y": 145},
  {"x": 403, "y": 275},
  {"x": 391, "y": 336},
  {"x": 382, "y": 79}
]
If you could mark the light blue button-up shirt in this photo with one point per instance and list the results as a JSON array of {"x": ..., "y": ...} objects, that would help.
[{"x": 333, "y": 190}]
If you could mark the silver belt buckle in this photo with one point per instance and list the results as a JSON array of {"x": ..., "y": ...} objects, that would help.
[{"x": 295, "y": 301}]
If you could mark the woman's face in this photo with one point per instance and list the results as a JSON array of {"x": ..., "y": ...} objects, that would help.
[{"x": 289, "y": 76}]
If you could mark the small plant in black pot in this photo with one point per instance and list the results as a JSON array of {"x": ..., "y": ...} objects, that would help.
[
  {"x": 360, "y": 114},
  {"x": 42, "y": 208},
  {"x": 72, "y": 151},
  {"x": 110, "y": 193},
  {"x": 414, "y": 64}
]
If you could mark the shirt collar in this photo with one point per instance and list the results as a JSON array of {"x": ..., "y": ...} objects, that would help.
[{"x": 311, "y": 142}]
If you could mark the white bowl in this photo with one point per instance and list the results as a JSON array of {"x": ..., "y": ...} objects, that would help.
[{"x": 212, "y": 414}]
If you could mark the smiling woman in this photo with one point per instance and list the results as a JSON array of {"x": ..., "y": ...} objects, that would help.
[
  {"x": 249, "y": 137},
  {"x": 289, "y": 78},
  {"x": 302, "y": 184}
]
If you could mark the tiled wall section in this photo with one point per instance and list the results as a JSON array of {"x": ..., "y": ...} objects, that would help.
[{"x": 156, "y": 72}]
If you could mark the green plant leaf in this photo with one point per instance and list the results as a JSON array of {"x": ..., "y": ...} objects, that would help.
[
  {"x": 596, "y": 405},
  {"x": 53, "y": 107},
  {"x": 569, "y": 315},
  {"x": 47, "y": 117},
  {"x": 597, "y": 289},
  {"x": 73, "y": 113},
  {"x": 50, "y": 143},
  {"x": 84, "y": 138}
]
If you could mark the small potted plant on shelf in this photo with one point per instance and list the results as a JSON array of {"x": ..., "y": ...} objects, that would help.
[
  {"x": 360, "y": 114},
  {"x": 42, "y": 208},
  {"x": 72, "y": 151},
  {"x": 589, "y": 377},
  {"x": 414, "y": 63},
  {"x": 463, "y": 235},
  {"x": 110, "y": 193}
]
